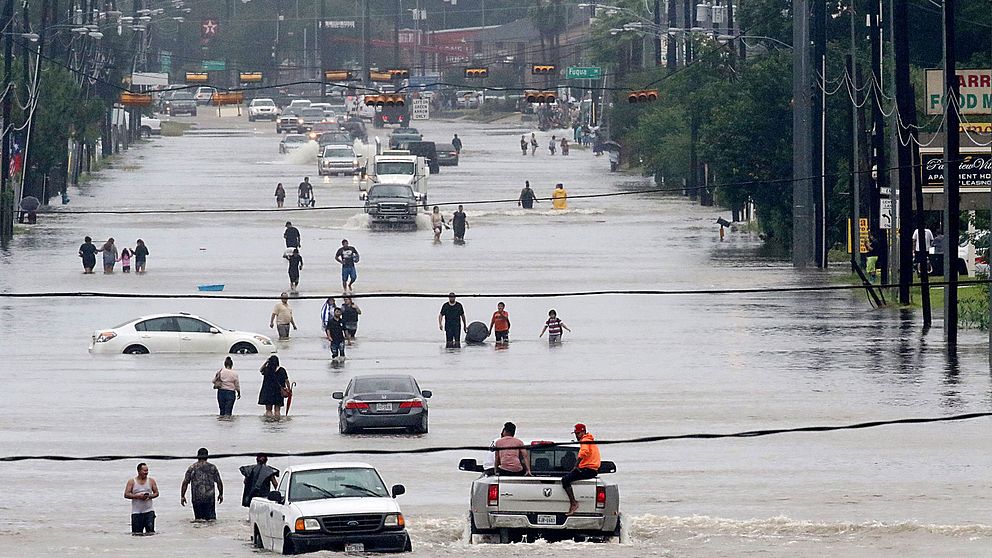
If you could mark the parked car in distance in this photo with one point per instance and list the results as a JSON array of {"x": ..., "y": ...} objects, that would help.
[
  {"x": 176, "y": 333},
  {"x": 330, "y": 506},
  {"x": 321, "y": 128},
  {"x": 356, "y": 127},
  {"x": 150, "y": 126},
  {"x": 204, "y": 94},
  {"x": 403, "y": 135},
  {"x": 425, "y": 149},
  {"x": 337, "y": 159},
  {"x": 180, "y": 102},
  {"x": 383, "y": 401},
  {"x": 262, "y": 109},
  {"x": 336, "y": 137},
  {"x": 289, "y": 121},
  {"x": 292, "y": 142},
  {"x": 447, "y": 156},
  {"x": 299, "y": 104},
  {"x": 329, "y": 112},
  {"x": 311, "y": 117}
]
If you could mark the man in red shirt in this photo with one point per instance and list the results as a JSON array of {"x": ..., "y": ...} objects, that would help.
[
  {"x": 500, "y": 324},
  {"x": 586, "y": 468}
]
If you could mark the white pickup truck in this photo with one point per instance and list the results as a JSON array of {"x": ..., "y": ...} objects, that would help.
[
  {"x": 520, "y": 508},
  {"x": 330, "y": 506},
  {"x": 400, "y": 167}
]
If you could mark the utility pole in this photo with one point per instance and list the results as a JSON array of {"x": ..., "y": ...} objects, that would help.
[
  {"x": 904, "y": 149},
  {"x": 366, "y": 77},
  {"x": 880, "y": 242},
  {"x": 803, "y": 226},
  {"x": 657, "y": 32},
  {"x": 952, "y": 201},
  {"x": 6, "y": 191},
  {"x": 396, "y": 33},
  {"x": 672, "y": 43},
  {"x": 855, "y": 164},
  {"x": 322, "y": 48},
  {"x": 818, "y": 29}
]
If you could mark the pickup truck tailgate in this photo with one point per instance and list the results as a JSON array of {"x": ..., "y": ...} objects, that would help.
[{"x": 543, "y": 494}]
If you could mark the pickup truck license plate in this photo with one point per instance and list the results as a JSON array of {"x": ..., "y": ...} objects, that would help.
[
  {"x": 354, "y": 547},
  {"x": 383, "y": 406},
  {"x": 545, "y": 519}
]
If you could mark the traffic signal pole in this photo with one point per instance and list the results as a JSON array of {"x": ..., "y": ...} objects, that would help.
[
  {"x": 657, "y": 32},
  {"x": 6, "y": 192}
]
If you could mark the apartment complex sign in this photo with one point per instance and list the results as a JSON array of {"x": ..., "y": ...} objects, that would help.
[
  {"x": 975, "y": 91},
  {"x": 974, "y": 171}
]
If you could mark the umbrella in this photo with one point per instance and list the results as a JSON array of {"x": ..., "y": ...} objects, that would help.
[
  {"x": 30, "y": 203},
  {"x": 611, "y": 146},
  {"x": 289, "y": 398}
]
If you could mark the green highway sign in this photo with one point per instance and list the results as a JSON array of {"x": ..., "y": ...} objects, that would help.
[
  {"x": 579, "y": 72},
  {"x": 214, "y": 65}
]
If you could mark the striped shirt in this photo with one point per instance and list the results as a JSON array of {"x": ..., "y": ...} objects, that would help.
[
  {"x": 554, "y": 326},
  {"x": 326, "y": 313}
]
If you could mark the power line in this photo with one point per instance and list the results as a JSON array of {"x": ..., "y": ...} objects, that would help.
[
  {"x": 444, "y": 449},
  {"x": 564, "y": 294}
]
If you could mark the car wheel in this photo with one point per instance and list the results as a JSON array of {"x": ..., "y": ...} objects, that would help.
[
  {"x": 251, "y": 119},
  {"x": 243, "y": 349},
  {"x": 408, "y": 547},
  {"x": 136, "y": 350},
  {"x": 287, "y": 544},
  {"x": 343, "y": 426},
  {"x": 146, "y": 132},
  {"x": 423, "y": 424},
  {"x": 256, "y": 539}
]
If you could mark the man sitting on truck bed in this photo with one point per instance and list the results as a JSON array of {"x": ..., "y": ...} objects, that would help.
[
  {"x": 511, "y": 457},
  {"x": 587, "y": 467}
]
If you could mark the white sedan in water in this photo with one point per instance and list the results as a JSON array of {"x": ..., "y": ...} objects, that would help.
[{"x": 176, "y": 333}]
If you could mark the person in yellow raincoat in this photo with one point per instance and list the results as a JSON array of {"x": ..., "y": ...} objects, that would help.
[{"x": 559, "y": 198}]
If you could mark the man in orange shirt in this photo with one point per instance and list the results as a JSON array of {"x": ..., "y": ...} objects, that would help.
[
  {"x": 500, "y": 324},
  {"x": 587, "y": 467}
]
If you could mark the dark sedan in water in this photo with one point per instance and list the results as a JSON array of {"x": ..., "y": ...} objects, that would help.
[
  {"x": 447, "y": 155},
  {"x": 382, "y": 401}
]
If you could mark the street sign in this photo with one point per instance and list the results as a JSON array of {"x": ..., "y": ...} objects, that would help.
[
  {"x": 885, "y": 213},
  {"x": 421, "y": 109},
  {"x": 580, "y": 72},
  {"x": 339, "y": 24},
  {"x": 214, "y": 65}
]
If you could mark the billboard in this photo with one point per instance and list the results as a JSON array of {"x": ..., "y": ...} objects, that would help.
[
  {"x": 974, "y": 171},
  {"x": 975, "y": 91}
]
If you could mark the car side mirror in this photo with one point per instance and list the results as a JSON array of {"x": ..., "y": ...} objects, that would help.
[
  {"x": 337, "y": 395},
  {"x": 606, "y": 467},
  {"x": 214, "y": 330},
  {"x": 427, "y": 393},
  {"x": 275, "y": 496},
  {"x": 398, "y": 490},
  {"x": 470, "y": 465}
]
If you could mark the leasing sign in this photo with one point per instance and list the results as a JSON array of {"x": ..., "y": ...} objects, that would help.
[{"x": 975, "y": 93}]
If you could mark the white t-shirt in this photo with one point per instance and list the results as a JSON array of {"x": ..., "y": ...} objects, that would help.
[
  {"x": 490, "y": 461},
  {"x": 928, "y": 235}
]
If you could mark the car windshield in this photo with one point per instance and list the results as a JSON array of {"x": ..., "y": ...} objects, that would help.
[
  {"x": 385, "y": 385},
  {"x": 263, "y": 103},
  {"x": 336, "y": 483},
  {"x": 313, "y": 112},
  {"x": 295, "y": 139},
  {"x": 406, "y": 131},
  {"x": 394, "y": 167},
  {"x": 445, "y": 147},
  {"x": 339, "y": 153},
  {"x": 325, "y": 126},
  {"x": 182, "y": 96}
]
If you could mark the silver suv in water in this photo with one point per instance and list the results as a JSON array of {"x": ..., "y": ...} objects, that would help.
[{"x": 337, "y": 159}]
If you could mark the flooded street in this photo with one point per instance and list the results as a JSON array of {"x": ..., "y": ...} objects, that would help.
[{"x": 634, "y": 365}]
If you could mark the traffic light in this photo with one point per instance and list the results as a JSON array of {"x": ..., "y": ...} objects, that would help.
[
  {"x": 129, "y": 99},
  {"x": 250, "y": 77},
  {"x": 339, "y": 75},
  {"x": 541, "y": 97},
  {"x": 385, "y": 100},
  {"x": 399, "y": 73},
  {"x": 477, "y": 73},
  {"x": 196, "y": 77},
  {"x": 642, "y": 96},
  {"x": 543, "y": 69},
  {"x": 378, "y": 76}
]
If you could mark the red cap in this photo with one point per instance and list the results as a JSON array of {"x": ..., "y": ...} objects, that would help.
[{"x": 579, "y": 428}]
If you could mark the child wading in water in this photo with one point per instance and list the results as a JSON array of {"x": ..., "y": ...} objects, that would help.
[
  {"x": 554, "y": 326},
  {"x": 126, "y": 260}
]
